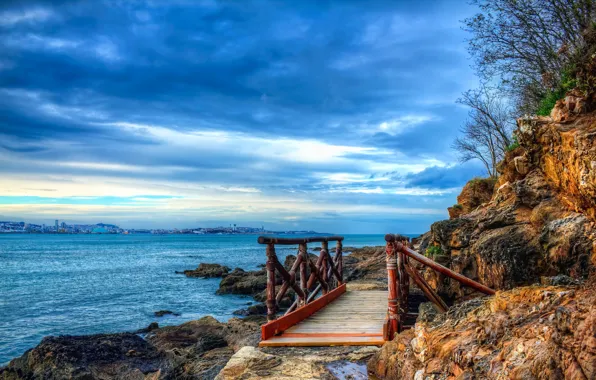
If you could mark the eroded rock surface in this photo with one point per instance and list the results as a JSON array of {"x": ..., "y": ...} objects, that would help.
[
  {"x": 537, "y": 219},
  {"x": 536, "y": 332}
]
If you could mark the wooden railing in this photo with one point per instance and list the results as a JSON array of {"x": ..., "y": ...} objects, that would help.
[
  {"x": 325, "y": 275},
  {"x": 400, "y": 271}
]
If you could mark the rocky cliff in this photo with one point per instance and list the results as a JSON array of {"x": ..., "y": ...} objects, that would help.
[
  {"x": 531, "y": 234},
  {"x": 536, "y": 219}
]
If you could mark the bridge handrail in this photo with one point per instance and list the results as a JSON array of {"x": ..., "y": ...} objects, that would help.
[
  {"x": 325, "y": 275},
  {"x": 294, "y": 241},
  {"x": 399, "y": 271}
]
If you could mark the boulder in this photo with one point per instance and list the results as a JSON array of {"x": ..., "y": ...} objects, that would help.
[
  {"x": 161, "y": 313},
  {"x": 258, "y": 309},
  {"x": 475, "y": 193},
  {"x": 243, "y": 282},
  {"x": 289, "y": 363}
]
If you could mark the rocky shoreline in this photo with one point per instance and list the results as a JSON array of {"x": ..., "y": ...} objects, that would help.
[
  {"x": 530, "y": 234},
  {"x": 200, "y": 349}
]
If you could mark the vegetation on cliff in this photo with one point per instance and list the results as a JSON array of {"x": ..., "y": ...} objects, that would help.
[{"x": 528, "y": 55}]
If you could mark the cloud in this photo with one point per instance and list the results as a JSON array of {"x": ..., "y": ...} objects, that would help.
[
  {"x": 448, "y": 177},
  {"x": 338, "y": 104},
  {"x": 9, "y": 18}
]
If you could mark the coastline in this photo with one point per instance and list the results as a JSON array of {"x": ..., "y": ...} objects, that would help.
[
  {"x": 126, "y": 295},
  {"x": 223, "y": 339}
]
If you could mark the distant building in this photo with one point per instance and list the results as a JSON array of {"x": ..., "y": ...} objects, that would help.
[{"x": 56, "y": 224}]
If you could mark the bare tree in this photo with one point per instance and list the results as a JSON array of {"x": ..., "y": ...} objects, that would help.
[
  {"x": 486, "y": 134},
  {"x": 528, "y": 44}
]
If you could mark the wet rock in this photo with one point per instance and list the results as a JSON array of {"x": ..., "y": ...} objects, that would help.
[
  {"x": 199, "y": 336},
  {"x": 152, "y": 326},
  {"x": 161, "y": 313},
  {"x": 258, "y": 309},
  {"x": 104, "y": 356},
  {"x": 286, "y": 363},
  {"x": 207, "y": 271},
  {"x": 243, "y": 282},
  {"x": 193, "y": 350}
]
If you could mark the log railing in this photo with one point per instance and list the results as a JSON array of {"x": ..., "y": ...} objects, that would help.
[
  {"x": 326, "y": 275},
  {"x": 399, "y": 273}
]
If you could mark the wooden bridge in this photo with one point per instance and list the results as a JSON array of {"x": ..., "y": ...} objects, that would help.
[{"x": 327, "y": 313}]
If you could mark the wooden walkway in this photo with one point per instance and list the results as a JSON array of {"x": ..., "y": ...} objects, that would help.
[{"x": 356, "y": 318}]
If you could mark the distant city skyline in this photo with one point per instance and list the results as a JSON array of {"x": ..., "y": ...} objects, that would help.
[
  {"x": 332, "y": 116},
  {"x": 103, "y": 228}
]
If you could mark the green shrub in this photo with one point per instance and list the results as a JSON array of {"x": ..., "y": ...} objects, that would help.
[
  {"x": 434, "y": 250},
  {"x": 479, "y": 181},
  {"x": 568, "y": 82},
  {"x": 514, "y": 145},
  {"x": 457, "y": 206}
]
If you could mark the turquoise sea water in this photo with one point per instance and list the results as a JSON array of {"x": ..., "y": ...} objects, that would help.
[{"x": 87, "y": 284}]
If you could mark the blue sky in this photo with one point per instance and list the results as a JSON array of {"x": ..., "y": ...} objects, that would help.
[{"x": 329, "y": 115}]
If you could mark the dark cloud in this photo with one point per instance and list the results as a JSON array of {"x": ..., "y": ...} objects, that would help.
[{"x": 436, "y": 177}]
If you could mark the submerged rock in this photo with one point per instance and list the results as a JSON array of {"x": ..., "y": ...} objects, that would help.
[
  {"x": 161, "y": 313},
  {"x": 152, "y": 326},
  {"x": 207, "y": 271}
]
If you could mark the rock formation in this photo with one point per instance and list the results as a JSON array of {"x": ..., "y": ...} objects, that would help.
[
  {"x": 533, "y": 332},
  {"x": 193, "y": 350},
  {"x": 538, "y": 219},
  {"x": 206, "y": 271},
  {"x": 535, "y": 225}
]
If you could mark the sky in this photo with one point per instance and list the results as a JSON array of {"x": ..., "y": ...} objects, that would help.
[{"x": 335, "y": 116}]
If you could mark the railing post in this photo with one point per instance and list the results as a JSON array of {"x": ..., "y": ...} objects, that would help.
[
  {"x": 393, "y": 316},
  {"x": 403, "y": 281},
  {"x": 302, "y": 251},
  {"x": 271, "y": 303},
  {"x": 340, "y": 261},
  {"x": 324, "y": 266}
]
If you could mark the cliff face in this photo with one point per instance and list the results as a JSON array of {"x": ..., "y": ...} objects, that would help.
[
  {"x": 534, "y": 224},
  {"x": 538, "y": 219}
]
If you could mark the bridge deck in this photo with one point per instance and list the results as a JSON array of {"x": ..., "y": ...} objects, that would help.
[{"x": 356, "y": 318}]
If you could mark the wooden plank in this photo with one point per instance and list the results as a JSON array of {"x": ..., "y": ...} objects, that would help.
[
  {"x": 281, "y": 341},
  {"x": 281, "y": 324},
  {"x": 320, "y": 335},
  {"x": 355, "y": 318}
]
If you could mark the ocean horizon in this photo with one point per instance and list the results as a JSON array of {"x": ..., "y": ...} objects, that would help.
[{"x": 52, "y": 284}]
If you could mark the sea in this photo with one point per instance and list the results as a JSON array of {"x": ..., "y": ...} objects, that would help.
[{"x": 89, "y": 284}]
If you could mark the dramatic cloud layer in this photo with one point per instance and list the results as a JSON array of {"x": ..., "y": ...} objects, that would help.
[{"x": 333, "y": 115}]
